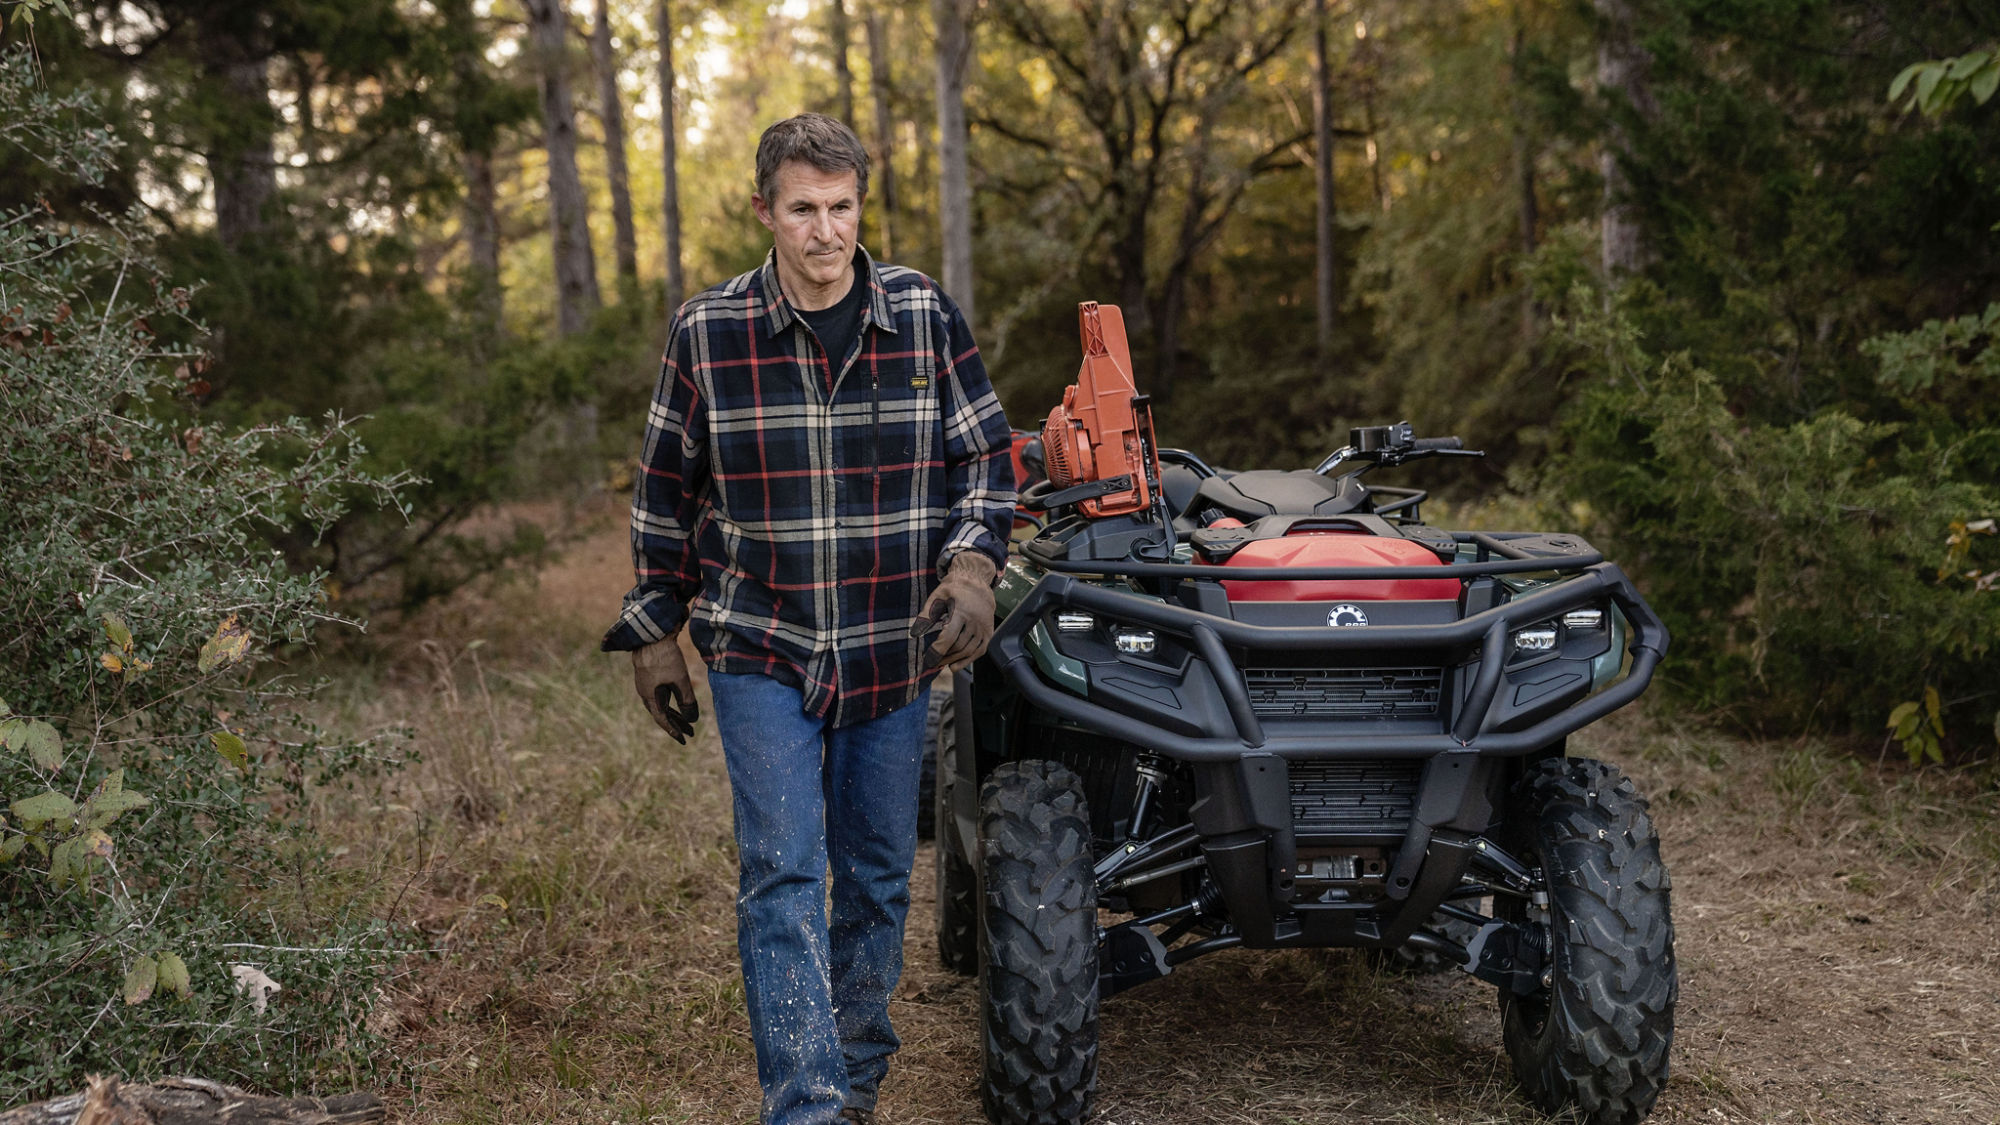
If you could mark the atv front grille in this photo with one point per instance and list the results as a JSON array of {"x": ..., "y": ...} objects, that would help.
[
  {"x": 1354, "y": 797},
  {"x": 1345, "y": 693}
]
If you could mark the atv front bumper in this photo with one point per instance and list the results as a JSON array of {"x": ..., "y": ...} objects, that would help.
[{"x": 1198, "y": 706}]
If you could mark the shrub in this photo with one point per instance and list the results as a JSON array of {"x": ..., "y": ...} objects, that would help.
[
  {"x": 153, "y": 766},
  {"x": 1813, "y": 572}
]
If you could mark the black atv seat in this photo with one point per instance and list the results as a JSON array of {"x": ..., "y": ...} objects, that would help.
[{"x": 1250, "y": 496}]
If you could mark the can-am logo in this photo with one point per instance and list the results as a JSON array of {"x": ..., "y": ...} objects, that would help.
[{"x": 1346, "y": 614}]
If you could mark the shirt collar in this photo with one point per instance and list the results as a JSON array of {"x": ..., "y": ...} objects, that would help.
[{"x": 779, "y": 314}]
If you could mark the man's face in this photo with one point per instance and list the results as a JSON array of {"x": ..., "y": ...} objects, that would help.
[{"x": 813, "y": 221}]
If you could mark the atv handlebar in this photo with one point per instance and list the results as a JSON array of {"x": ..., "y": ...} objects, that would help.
[{"x": 1392, "y": 445}]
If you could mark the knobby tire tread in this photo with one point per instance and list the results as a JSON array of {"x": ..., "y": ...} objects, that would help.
[
  {"x": 1038, "y": 909},
  {"x": 957, "y": 881},
  {"x": 1603, "y": 1047}
]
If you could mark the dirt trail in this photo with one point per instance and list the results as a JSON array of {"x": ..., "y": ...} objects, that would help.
[{"x": 1838, "y": 932}]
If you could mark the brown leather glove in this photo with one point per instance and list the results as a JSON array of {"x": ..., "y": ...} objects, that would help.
[
  {"x": 660, "y": 673},
  {"x": 960, "y": 610}
]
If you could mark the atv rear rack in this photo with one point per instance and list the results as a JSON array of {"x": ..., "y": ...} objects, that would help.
[{"x": 1210, "y": 637}]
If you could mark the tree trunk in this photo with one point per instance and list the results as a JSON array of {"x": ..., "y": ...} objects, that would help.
[
  {"x": 843, "y": 75},
  {"x": 624, "y": 242},
  {"x": 670, "y": 189},
  {"x": 954, "y": 51},
  {"x": 1622, "y": 67},
  {"x": 479, "y": 216},
  {"x": 482, "y": 237},
  {"x": 241, "y": 163},
  {"x": 885, "y": 137},
  {"x": 576, "y": 264},
  {"x": 1529, "y": 212},
  {"x": 192, "y": 1101},
  {"x": 1327, "y": 289}
]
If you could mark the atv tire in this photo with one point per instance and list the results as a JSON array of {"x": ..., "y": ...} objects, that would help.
[
  {"x": 938, "y": 704},
  {"x": 1597, "y": 1038},
  {"x": 957, "y": 881},
  {"x": 1038, "y": 946}
]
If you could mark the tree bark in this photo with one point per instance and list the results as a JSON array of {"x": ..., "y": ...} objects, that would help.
[
  {"x": 192, "y": 1101},
  {"x": 1528, "y": 211},
  {"x": 625, "y": 243},
  {"x": 1326, "y": 291},
  {"x": 954, "y": 51},
  {"x": 670, "y": 189},
  {"x": 843, "y": 75},
  {"x": 1622, "y": 76},
  {"x": 482, "y": 237},
  {"x": 885, "y": 137},
  {"x": 575, "y": 262},
  {"x": 241, "y": 163}
]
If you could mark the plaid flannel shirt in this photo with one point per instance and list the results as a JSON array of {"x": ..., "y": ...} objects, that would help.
[{"x": 796, "y": 513}]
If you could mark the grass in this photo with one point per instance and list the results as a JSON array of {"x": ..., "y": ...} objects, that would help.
[{"x": 1837, "y": 923}]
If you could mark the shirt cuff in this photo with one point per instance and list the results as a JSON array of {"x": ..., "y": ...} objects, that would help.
[
  {"x": 983, "y": 545},
  {"x": 647, "y": 618}
]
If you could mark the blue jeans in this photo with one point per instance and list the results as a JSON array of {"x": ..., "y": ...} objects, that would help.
[{"x": 807, "y": 797}]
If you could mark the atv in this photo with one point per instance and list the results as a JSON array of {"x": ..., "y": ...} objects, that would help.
[{"x": 1274, "y": 710}]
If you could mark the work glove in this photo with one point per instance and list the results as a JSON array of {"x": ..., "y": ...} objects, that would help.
[
  {"x": 959, "y": 611},
  {"x": 660, "y": 673}
]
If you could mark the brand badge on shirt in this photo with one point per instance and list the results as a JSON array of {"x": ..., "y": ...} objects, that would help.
[{"x": 919, "y": 382}]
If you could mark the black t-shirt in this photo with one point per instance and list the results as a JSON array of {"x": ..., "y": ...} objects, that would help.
[{"x": 839, "y": 323}]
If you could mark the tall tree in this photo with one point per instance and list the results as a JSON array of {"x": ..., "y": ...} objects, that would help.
[
  {"x": 480, "y": 106},
  {"x": 1325, "y": 289},
  {"x": 576, "y": 264},
  {"x": 843, "y": 75},
  {"x": 1141, "y": 76},
  {"x": 1622, "y": 64},
  {"x": 954, "y": 52},
  {"x": 235, "y": 57},
  {"x": 883, "y": 88},
  {"x": 611, "y": 110},
  {"x": 670, "y": 180}
]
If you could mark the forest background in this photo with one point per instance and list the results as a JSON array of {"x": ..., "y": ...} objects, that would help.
[{"x": 1705, "y": 288}]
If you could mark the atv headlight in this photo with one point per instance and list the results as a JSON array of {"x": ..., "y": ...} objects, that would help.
[
  {"x": 1075, "y": 621},
  {"x": 1583, "y": 619},
  {"x": 1536, "y": 638},
  {"x": 1135, "y": 642}
]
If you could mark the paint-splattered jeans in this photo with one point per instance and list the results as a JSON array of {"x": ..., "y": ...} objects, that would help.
[{"x": 808, "y": 797}]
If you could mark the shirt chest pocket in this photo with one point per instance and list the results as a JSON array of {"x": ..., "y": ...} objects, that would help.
[{"x": 900, "y": 402}]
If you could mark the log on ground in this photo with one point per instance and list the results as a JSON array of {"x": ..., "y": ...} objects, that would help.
[{"x": 192, "y": 1101}]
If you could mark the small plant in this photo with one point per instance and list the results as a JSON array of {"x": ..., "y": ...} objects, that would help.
[
  {"x": 1934, "y": 86},
  {"x": 1919, "y": 726},
  {"x": 153, "y": 766}
]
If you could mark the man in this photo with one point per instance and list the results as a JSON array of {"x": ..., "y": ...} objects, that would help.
[{"x": 825, "y": 483}]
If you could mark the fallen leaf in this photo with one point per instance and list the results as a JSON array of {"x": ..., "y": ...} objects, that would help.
[
  {"x": 232, "y": 748},
  {"x": 174, "y": 976},
  {"x": 229, "y": 645},
  {"x": 140, "y": 979},
  {"x": 251, "y": 982},
  {"x": 43, "y": 744}
]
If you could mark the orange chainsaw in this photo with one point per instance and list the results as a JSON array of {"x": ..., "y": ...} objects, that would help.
[{"x": 1098, "y": 445}]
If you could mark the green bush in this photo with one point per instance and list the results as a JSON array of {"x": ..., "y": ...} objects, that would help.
[
  {"x": 153, "y": 762},
  {"x": 1814, "y": 572}
]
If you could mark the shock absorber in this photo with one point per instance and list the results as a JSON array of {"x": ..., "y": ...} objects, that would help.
[{"x": 1151, "y": 770}]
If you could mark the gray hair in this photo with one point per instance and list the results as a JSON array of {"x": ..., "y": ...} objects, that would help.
[{"x": 815, "y": 139}]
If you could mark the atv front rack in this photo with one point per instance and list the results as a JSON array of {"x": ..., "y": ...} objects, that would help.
[{"x": 1478, "y": 645}]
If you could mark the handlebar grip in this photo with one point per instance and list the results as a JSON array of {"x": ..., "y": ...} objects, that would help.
[{"x": 1422, "y": 444}]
